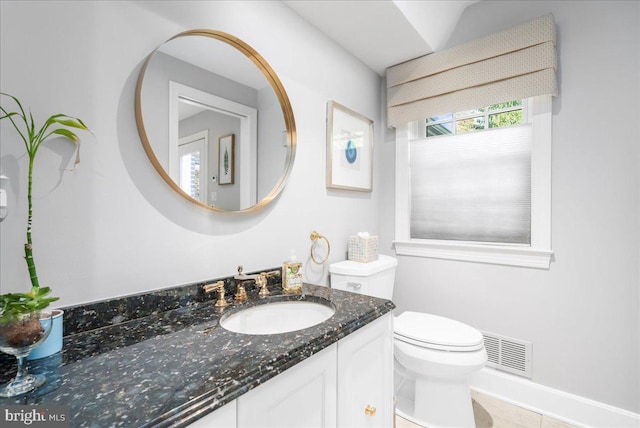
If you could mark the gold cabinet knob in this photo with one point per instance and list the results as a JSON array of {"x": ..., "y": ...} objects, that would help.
[{"x": 371, "y": 411}]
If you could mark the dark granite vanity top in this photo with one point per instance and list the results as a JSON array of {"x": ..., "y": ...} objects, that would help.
[{"x": 161, "y": 359}]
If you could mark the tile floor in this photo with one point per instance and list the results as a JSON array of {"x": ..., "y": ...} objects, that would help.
[{"x": 492, "y": 413}]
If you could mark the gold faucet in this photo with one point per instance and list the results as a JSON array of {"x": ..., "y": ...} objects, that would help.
[
  {"x": 244, "y": 277},
  {"x": 260, "y": 280},
  {"x": 219, "y": 286},
  {"x": 241, "y": 293}
]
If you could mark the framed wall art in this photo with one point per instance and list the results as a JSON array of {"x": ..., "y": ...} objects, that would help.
[
  {"x": 349, "y": 149},
  {"x": 226, "y": 157}
]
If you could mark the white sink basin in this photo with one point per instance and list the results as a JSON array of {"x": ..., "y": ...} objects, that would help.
[{"x": 277, "y": 317}]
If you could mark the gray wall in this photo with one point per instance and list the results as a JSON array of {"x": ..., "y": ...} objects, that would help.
[{"x": 582, "y": 314}]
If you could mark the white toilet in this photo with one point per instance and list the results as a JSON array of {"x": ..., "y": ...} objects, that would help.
[{"x": 434, "y": 356}]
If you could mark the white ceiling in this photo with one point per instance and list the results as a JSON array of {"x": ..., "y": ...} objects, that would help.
[{"x": 382, "y": 33}]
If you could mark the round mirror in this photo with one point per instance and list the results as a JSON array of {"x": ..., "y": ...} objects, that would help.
[{"x": 215, "y": 121}]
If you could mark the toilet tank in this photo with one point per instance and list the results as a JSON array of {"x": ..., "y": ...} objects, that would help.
[{"x": 375, "y": 278}]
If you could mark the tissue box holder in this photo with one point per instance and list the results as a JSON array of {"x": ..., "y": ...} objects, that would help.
[{"x": 363, "y": 249}]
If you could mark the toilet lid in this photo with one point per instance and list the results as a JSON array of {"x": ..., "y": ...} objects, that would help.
[{"x": 436, "y": 332}]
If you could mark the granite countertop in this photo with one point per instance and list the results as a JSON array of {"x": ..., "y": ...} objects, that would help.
[{"x": 170, "y": 362}]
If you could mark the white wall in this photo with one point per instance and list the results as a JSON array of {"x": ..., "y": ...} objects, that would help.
[
  {"x": 582, "y": 314},
  {"x": 113, "y": 227}
]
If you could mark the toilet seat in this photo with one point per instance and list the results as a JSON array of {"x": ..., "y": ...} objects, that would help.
[{"x": 436, "y": 332}]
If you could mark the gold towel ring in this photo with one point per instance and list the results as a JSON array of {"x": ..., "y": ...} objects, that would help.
[{"x": 314, "y": 237}]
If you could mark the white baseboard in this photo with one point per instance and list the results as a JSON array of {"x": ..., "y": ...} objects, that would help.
[{"x": 573, "y": 409}]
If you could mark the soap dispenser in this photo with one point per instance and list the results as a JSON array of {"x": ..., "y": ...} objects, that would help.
[{"x": 292, "y": 273}]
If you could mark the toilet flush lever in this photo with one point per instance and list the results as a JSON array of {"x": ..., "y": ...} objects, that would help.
[{"x": 354, "y": 285}]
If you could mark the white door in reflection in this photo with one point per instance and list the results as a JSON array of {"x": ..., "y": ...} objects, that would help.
[{"x": 192, "y": 152}]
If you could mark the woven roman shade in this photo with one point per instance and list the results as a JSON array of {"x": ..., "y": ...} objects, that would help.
[{"x": 514, "y": 64}]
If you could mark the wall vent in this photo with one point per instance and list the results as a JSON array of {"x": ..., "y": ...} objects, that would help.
[{"x": 507, "y": 354}]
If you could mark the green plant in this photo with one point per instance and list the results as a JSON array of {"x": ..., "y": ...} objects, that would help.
[
  {"x": 58, "y": 125},
  {"x": 14, "y": 304}
]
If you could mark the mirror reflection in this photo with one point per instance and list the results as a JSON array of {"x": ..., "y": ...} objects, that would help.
[{"x": 229, "y": 139}]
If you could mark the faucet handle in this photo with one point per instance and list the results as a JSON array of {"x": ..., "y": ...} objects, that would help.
[
  {"x": 262, "y": 282},
  {"x": 220, "y": 287},
  {"x": 272, "y": 273},
  {"x": 213, "y": 286}
]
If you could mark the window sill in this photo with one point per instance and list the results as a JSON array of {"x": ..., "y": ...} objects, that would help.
[{"x": 493, "y": 254}]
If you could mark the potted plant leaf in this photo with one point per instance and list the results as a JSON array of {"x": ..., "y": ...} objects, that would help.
[{"x": 23, "y": 324}]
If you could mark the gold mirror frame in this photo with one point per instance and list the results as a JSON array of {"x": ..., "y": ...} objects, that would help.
[{"x": 276, "y": 85}]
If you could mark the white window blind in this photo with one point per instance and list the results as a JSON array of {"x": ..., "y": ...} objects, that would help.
[
  {"x": 514, "y": 64},
  {"x": 472, "y": 187}
]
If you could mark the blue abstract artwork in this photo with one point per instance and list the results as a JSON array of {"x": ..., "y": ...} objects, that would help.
[{"x": 351, "y": 151}]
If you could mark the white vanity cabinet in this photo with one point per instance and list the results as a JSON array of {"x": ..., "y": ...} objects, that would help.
[
  {"x": 302, "y": 396},
  {"x": 224, "y": 417},
  {"x": 365, "y": 376},
  {"x": 346, "y": 385}
]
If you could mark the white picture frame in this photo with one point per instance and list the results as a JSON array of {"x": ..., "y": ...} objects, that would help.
[{"x": 349, "y": 149}]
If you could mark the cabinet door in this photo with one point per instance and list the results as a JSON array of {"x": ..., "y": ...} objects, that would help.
[
  {"x": 365, "y": 376},
  {"x": 303, "y": 396},
  {"x": 224, "y": 417}
]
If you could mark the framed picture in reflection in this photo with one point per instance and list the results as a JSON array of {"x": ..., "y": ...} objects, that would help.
[{"x": 226, "y": 158}]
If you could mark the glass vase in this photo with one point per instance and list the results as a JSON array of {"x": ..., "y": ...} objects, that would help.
[{"x": 18, "y": 336}]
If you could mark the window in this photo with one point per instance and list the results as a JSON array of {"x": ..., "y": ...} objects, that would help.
[
  {"x": 495, "y": 116},
  {"x": 475, "y": 185},
  {"x": 192, "y": 168}
]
